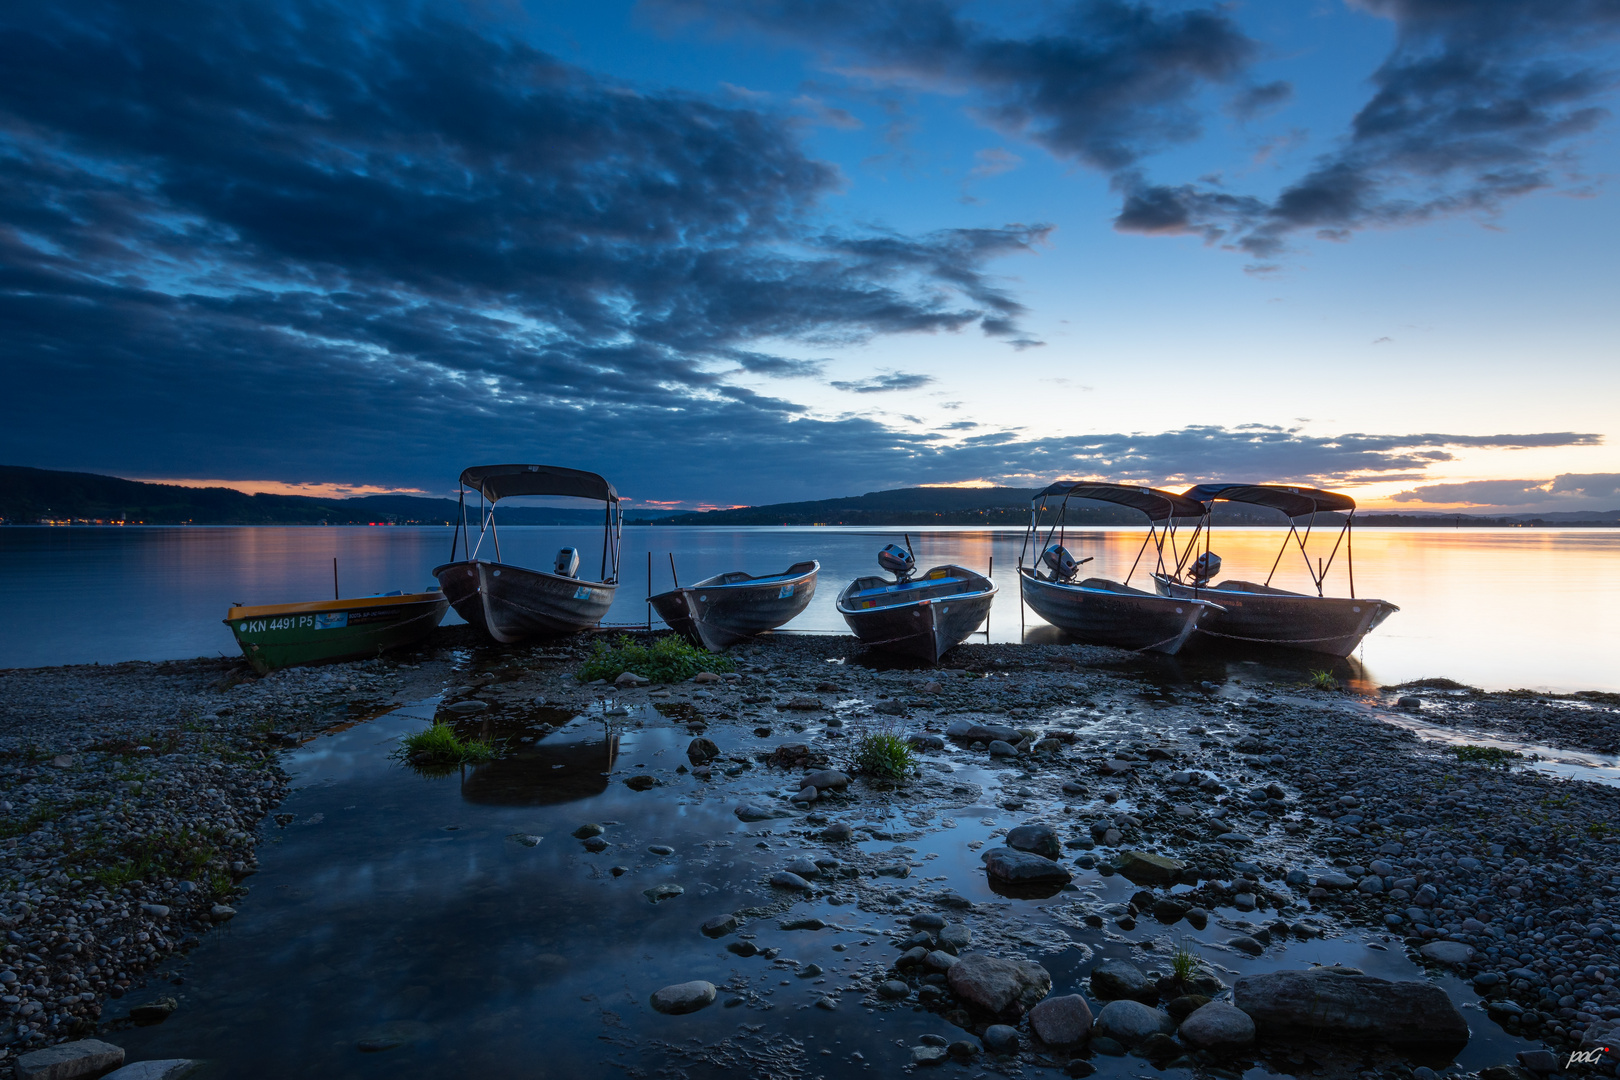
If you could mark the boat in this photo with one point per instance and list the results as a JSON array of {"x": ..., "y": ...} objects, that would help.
[
  {"x": 510, "y": 603},
  {"x": 1097, "y": 610},
  {"x": 275, "y": 636},
  {"x": 1257, "y": 613},
  {"x": 924, "y": 617},
  {"x": 720, "y": 611}
]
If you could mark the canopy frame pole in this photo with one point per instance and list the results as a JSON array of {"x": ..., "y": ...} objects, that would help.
[
  {"x": 461, "y": 500},
  {"x": 1333, "y": 554},
  {"x": 494, "y": 534},
  {"x": 483, "y": 527},
  {"x": 1303, "y": 540},
  {"x": 1349, "y": 553},
  {"x": 1281, "y": 551},
  {"x": 1151, "y": 534}
]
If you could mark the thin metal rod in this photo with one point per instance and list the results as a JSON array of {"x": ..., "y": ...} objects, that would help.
[
  {"x": 334, "y": 579},
  {"x": 1281, "y": 551},
  {"x": 672, "y": 570},
  {"x": 1349, "y": 554},
  {"x": 649, "y": 590},
  {"x": 1152, "y": 532}
]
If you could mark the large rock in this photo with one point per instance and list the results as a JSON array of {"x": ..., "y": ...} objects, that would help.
[
  {"x": 751, "y": 812},
  {"x": 1141, "y": 868},
  {"x": 1130, "y": 1022},
  {"x": 1061, "y": 1021},
  {"x": 1219, "y": 1027},
  {"x": 1122, "y": 979},
  {"x": 701, "y": 751},
  {"x": 1334, "y": 1004},
  {"x": 162, "y": 1069},
  {"x": 999, "y": 986},
  {"x": 1450, "y": 953},
  {"x": 1022, "y": 868},
  {"x": 826, "y": 778},
  {"x": 1036, "y": 839},
  {"x": 686, "y": 997},
  {"x": 961, "y": 729},
  {"x": 69, "y": 1060}
]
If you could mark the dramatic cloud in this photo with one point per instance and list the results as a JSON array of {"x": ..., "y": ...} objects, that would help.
[
  {"x": 1561, "y": 493},
  {"x": 879, "y": 384},
  {"x": 313, "y": 238},
  {"x": 1477, "y": 104},
  {"x": 1105, "y": 83}
]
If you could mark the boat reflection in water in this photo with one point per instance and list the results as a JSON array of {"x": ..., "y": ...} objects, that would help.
[
  {"x": 547, "y": 757},
  {"x": 575, "y": 763}
]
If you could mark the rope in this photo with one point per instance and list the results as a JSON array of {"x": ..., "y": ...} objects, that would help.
[{"x": 1273, "y": 641}]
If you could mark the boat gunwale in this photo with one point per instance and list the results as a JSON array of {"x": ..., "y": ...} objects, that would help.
[{"x": 304, "y": 607}]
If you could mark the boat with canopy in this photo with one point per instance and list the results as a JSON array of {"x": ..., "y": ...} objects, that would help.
[
  {"x": 1098, "y": 610},
  {"x": 925, "y": 616},
  {"x": 722, "y": 610},
  {"x": 510, "y": 603},
  {"x": 1257, "y": 613}
]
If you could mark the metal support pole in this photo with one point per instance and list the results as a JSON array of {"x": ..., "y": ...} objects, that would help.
[{"x": 649, "y": 590}]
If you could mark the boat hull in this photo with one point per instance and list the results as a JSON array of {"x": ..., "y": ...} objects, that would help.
[
  {"x": 328, "y": 631},
  {"x": 511, "y": 603},
  {"x": 1333, "y": 625},
  {"x": 1134, "y": 619},
  {"x": 926, "y": 628},
  {"x": 717, "y": 614}
]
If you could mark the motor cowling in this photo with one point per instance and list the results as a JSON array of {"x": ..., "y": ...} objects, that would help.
[
  {"x": 568, "y": 562},
  {"x": 1205, "y": 567},
  {"x": 1060, "y": 562},
  {"x": 897, "y": 561}
]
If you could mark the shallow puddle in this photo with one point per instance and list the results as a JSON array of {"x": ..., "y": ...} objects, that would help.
[{"x": 454, "y": 926}]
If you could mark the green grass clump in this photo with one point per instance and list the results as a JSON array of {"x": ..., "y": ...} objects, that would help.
[
  {"x": 1323, "y": 680},
  {"x": 885, "y": 754},
  {"x": 1599, "y": 830},
  {"x": 439, "y": 746},
  {"x": 1491, "y": 756},
  {"x": 667, "y": 660},
  {"x": 1183, "y": 962}
]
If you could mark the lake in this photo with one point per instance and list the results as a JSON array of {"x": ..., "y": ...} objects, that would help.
[{"x": 1498, "y": 609}]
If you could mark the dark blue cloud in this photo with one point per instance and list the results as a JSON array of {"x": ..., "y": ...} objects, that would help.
[
  {"x": 1476, "y": 104},
  {"x": 309, "y": 241},
  {"x": 1104, "y": 82}
]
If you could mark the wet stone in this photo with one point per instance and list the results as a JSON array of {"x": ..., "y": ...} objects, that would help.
[
  {"x": 719, "y": 926},
  {"x": 682, "y": 998},
  {"x": 1036, "y": 839},
  {"x": 1061, "y": 1021},
  {"x": 1122, "y": 979},
  {"x": 1001, "y": 1039}
]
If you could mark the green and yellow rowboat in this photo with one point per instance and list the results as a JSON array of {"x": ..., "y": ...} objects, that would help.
[{"x": 284, "y": 635}]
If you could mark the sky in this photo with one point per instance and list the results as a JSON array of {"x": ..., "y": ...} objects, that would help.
[{"x": 745, "y": 251}]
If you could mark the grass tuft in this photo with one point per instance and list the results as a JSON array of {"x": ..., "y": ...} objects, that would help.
[
  {"x": 1323, "y": 680},
  {"x": 669, "y": 659},
  {"x": 884, "y": 753},
  {"x": 1183, "y": 962},
  {"x": 1491, "y": 756},
  {"x": 440, "y": 747}
]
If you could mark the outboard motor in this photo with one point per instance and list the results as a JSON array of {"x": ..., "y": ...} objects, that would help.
[
  {"x": 1205, "y": 567},
  {"x": 897, "y": 561},
  {"x": 568, "y": 562},
  {"x": 1060, "y": 562}
]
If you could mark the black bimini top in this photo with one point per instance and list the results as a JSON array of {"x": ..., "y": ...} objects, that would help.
[
  {"x": 505, "y": 481},
  {"x": 1157, "y": 505},
  {"x": 1293, "y": 501}
]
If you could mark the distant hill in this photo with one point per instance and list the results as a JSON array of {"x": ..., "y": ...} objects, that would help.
[
  {"x": 925, "y": 506},
  {"x": 29, "y": 496}
]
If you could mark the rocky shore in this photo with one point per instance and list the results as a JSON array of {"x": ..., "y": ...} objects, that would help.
[{"x": 132, "y": 798}]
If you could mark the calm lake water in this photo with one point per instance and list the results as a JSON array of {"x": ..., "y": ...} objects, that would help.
[{"x": 1493, "y": 608}]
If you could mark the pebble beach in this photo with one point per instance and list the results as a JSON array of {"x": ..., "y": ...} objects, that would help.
[{"x": 133, "y": 799}]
